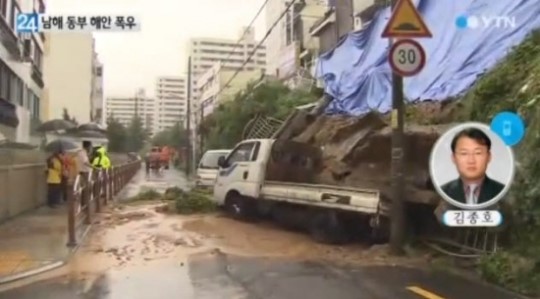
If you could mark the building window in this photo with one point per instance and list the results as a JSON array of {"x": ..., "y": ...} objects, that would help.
[
  {"x": 37, "y": 55},
  {"x": 28, "y": 98},
  {"x": 39, "y": 5},
  {"x": 16, "y": 90},
  {"x": 4, "y": 8},
  {"x": 15, "y": 9},
  {"x": 32, "y": 103},
  {"x": 99, "y": 71},
  {"x": 5, "y": 75}
]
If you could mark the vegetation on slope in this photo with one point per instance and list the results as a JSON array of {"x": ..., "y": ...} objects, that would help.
[
  {"x": 224, "y": 127},
  {"x": 514, "y": 85}
]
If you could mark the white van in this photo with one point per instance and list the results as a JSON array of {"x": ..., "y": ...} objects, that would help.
[{"x": 208, "y": 168}]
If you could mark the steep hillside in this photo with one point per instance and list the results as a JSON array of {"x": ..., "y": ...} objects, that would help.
[
  {"x": 515, "y": 86},
  {"x": 357, "y": 152}
]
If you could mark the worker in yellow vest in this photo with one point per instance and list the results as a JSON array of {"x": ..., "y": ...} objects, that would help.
[{"x": 101, "y": 160}]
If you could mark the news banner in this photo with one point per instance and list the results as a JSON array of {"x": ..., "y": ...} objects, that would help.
[{"x": 33, "y": 22}]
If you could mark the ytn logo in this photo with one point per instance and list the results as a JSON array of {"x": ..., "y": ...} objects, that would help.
[{"x": 472, "y": 22}]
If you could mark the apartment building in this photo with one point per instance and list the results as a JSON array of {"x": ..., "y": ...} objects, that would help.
[
  {"x": 218, "y": 85},
  {"x": 21, "y": 75},
  {"x": 337, "y": 21},
  {"x": 124, "y": 109},
  {"x": 69, "y": 69},
  {"x": 205, "y": 52},
  {"x": 171, "y": 102},
  {"x": 96, "y": 104},
  {"x": 275, "y": 41},
  {"x": 291, "y": 34}
]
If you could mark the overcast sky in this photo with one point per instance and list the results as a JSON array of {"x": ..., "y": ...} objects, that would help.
[{"x": 134, "y": 60}]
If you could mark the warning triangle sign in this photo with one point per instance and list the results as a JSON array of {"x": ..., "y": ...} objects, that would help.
[{"x": 406, "y": 21}]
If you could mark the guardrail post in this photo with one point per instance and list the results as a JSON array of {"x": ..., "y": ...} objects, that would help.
[
  {"x": 116, "y": 180},
  {"x": 106, "y": 184},
  {"x": 85, "y": 196},
  {"x": 72, "y": 237},
  {"x": 111, "y": 184},
  {"x": 98, "y": 190},
  {"x": 123, "y": 177}
]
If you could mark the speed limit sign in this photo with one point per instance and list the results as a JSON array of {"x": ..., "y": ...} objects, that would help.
[{"x": 407, "y": 57}]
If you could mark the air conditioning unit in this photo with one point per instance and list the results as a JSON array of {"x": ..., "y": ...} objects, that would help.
[{"x": 357, "y": 23}]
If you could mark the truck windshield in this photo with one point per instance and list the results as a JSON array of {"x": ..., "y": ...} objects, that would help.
[{"x": 210, "y": 160}]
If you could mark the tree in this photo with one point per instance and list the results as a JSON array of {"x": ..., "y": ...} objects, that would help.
[
  {"x": 224, "y": 127},
  {"x": 117, "y": 135},
  {"x": 136, "y": 135},
  {"x": 175, "y": 137},
  {"x": 178, "y": 136},
  {"x": 161, "y": 138},
  {"x": 66, "y": 116}
]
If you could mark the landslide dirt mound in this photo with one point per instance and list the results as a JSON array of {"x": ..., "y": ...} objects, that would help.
[{"x": 357, "y": 153}]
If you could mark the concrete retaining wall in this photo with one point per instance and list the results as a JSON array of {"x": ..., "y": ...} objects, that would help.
[
  {"x": 22, "y": 188},
  {"x": 23, "y": 180}
]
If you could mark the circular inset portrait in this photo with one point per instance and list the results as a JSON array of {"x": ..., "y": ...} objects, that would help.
[{"x": 471, "y": 167}]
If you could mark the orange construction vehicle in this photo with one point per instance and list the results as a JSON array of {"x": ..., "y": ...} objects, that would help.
[{"x": 165, "y": 156}]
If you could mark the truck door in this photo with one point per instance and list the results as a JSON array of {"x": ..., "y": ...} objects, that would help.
[{"x": 236, "y": 173}]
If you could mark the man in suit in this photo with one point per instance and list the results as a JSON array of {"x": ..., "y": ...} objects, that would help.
[{"x": 471, "y": 153}]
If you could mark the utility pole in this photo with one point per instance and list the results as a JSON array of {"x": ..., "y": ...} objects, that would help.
[
  {"x": 188, "y": 119},
  {"x": 397, "y": 215}
]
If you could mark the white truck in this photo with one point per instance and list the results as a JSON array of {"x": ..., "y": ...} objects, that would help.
[{"x": 275, "y": 178}]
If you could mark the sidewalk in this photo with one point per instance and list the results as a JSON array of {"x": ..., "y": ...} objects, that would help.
[
  {"x": 36, "y": 242},
  {"x": 33, "y": 243}
]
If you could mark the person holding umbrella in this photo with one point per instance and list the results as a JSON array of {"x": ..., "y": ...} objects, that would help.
[
  {"x": 59, "y": 147},
  {"x": 54, "y": 178}
]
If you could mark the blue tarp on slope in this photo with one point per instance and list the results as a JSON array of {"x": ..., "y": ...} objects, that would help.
[{"x": 358, "y": 76}]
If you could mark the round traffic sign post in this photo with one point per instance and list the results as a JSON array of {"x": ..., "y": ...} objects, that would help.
[{"x": 407, "y": 57}]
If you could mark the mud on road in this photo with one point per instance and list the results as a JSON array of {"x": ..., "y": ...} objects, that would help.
[
  {"x": 136, "y": 252},
  {"x": 140, "y": 234}
]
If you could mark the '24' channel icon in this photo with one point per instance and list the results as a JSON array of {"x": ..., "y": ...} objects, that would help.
[{"x": 27, "y": 23}]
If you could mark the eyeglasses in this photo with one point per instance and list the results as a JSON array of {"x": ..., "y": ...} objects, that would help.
[{"x": 478, "y": 154}]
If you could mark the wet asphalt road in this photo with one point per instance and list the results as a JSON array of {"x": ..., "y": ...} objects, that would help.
[
  {"x": 215, "y": 275},
  {"x": 212, "y": 273}
]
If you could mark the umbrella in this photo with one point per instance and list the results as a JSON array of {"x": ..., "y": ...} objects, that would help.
[
  {"x": 2, "y": 138},
  {"x": 61, "y": 144},
  {"x": 90, "y": 134},
  {"x": 55, "y": 125},
  {"x": 92, "y": 127},
  {"x": 16, "y": 145}
]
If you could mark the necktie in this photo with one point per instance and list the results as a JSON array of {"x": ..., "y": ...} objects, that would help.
[{"x": 471, "y": 196}]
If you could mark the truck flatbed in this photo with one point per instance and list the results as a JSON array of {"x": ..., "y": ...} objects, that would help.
[{"x": 325, "y": 196}]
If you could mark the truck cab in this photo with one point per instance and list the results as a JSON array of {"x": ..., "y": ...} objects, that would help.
[{"x": 243, "y": 170}]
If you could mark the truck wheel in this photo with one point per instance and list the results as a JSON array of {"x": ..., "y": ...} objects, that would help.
[
  {"x": 380, "y": 230},
  {"x": 240, "y": 207},
  {"x": 326, "y": 228}
]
